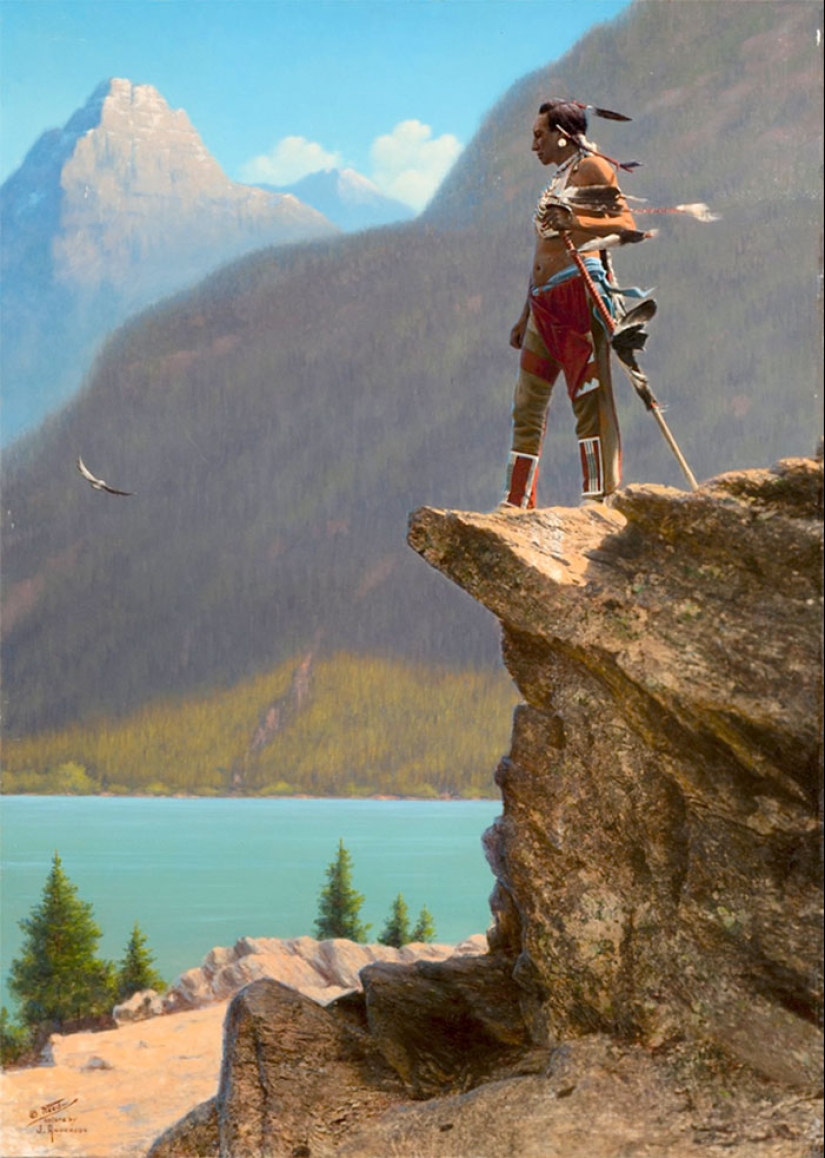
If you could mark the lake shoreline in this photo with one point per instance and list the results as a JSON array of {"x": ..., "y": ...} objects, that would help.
[
  {"x": 198, "y": 872},
  {"x": 446, "y": 799}
]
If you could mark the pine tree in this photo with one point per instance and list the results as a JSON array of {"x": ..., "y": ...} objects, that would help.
[
  {"x": 14, "y": 1039},
  {"x": 424, "y": 927},
  {"x": 58, "y": 976},
  {"x": 397, "y": 929},
  {"x": 136, "y": 970},
  {"x": 339, "y": 903}
]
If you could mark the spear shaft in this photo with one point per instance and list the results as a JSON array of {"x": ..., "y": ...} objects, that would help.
[{"x": 647, "y": 396}]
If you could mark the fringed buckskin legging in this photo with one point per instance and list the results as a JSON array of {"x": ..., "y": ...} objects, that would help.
[{"x": 565, "y": 333}]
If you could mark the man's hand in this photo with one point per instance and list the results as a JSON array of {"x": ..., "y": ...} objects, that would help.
[
  {"x": 559, "y": 217},
  {"x": 518, "y": 331}
]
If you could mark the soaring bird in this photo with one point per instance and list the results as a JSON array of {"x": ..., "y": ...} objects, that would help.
[{"x": 97, "y": 483}]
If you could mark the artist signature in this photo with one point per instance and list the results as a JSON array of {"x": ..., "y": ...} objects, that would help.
[{"x": 54, "y": 1118}]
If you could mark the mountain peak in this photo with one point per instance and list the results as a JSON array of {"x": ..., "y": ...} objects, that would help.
[
  {"x": 125, "y": 201},
  {"x": 348, "y": 198}
]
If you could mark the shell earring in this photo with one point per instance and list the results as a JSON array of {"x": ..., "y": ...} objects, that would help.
[{"x": 562, "y": 142}]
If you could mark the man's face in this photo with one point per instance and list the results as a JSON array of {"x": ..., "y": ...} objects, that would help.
[{"x": 545, "y": 140}]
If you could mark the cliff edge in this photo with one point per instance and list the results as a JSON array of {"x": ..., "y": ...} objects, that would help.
[
  {"x": 657, "y": 862},
  {"x": 654, "y": 982}
]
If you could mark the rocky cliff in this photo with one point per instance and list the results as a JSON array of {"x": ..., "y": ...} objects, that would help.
[
  {"x": 653, "y": 983},
  {"x": 657, "y": 860}
]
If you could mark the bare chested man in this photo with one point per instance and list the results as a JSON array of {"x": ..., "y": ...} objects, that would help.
[{"x": 559, "y": 328}]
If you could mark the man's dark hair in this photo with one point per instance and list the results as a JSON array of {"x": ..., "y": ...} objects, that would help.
[{"x": 566, "y": 116}]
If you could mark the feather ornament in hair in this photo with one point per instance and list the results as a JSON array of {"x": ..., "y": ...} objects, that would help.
[{"x": 605, "y": 114}]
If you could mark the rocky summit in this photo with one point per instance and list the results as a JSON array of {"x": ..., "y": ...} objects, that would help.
[
  {"x": 121, "y": 206},
  {"x": 653, "y": 981},
  {"x": 127, "y": 178}
]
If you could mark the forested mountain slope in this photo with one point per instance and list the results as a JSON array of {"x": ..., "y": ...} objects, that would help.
[{"x": 278, "y": 423}]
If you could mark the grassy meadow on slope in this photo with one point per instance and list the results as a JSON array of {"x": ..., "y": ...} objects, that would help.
[{"x": 369, "y": 726}]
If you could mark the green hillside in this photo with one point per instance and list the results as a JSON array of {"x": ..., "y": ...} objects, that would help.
[
  {"x": 280, "y": 422},
  {"x": 368, "y": 726}
]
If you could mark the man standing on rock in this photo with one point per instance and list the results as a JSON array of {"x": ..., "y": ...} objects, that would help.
[{"x": 559, "y": 327}]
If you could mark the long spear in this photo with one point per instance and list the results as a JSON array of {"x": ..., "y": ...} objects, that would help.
[{"x": 636, "y": 376}]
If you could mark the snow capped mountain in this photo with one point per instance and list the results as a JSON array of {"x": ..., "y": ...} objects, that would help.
[
  {"x": 347, "y": 198},
  {"x": 121, "y": 206}
]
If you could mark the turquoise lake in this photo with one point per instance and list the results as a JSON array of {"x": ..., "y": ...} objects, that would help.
[{"x": 197, "y": 873}]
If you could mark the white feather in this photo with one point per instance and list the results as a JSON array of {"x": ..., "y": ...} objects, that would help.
[{"x": 699, "y": 210}]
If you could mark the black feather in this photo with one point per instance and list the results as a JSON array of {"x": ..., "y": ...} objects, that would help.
[
  {"x": 625, "y": 342},
  {"x": 609, "y": 115},
  {"x": 639, "y": 314}
]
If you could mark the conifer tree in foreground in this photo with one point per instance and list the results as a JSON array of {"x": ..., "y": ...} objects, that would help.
[
  {"x": 339, "y": 903},
  {"x": 424, "y": 927},
  {"x": 396, "y": 932},
  {"x": 136, "y": 970},
  {"x": 14, "y": 1039},
  {"x": 58, "y": 976}
]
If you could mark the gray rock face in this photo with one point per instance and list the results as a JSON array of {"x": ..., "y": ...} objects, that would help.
[
  {"x": 657, "y": 860},
  {"x": 142, "y": 195},
  {"x": 120, "y": 207},
  {"x": 137, "y": 200}
]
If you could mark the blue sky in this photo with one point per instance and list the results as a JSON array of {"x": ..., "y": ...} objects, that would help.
[{"x": 277, "y": 88}]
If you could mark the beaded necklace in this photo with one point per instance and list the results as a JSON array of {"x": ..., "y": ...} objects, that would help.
[{"x": 553, "y": 192}]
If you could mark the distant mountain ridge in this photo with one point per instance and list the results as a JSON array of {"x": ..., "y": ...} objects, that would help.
[
  {"x": 347, "y": 198},
  {"x": 120, "y": 207},
  {"x": 280, "y": 421}
]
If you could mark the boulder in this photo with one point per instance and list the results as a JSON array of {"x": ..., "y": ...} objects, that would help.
[
  {"x": 294, "y": 1079},
  {"x": 445, "y": 1025},
  {"x": 145, "y": 1003}
]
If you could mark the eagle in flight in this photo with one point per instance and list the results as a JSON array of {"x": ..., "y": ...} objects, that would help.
[{"x": 97, "y": 483}]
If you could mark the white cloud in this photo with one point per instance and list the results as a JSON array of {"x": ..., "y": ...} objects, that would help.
[
  {"x": 289, "y": 160},
  {"x": 409, "y": 163}
]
